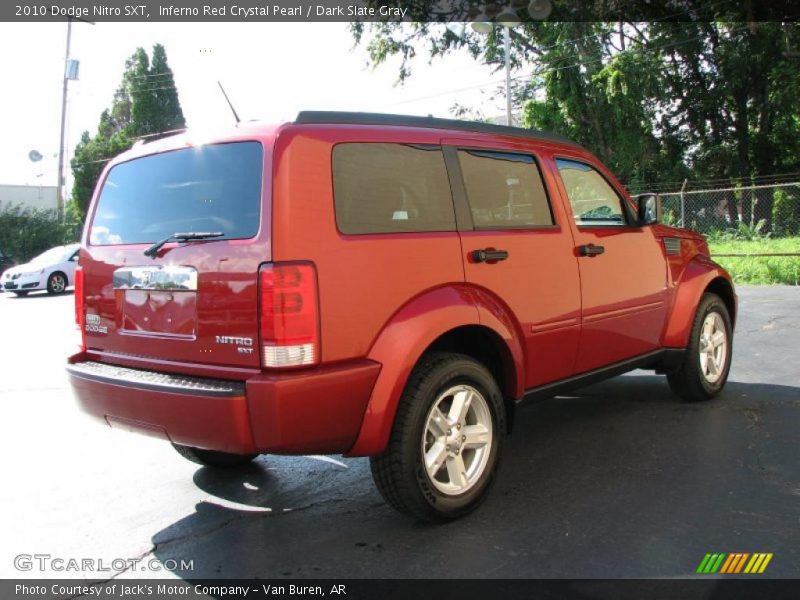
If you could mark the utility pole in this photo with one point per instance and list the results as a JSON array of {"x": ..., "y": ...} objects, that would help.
[
  {"x": 70, "y": 72},
  {"x": 60, "y": 188},
  {"x": 507, "y": 44},
  {"x": 538, "y": 10}
]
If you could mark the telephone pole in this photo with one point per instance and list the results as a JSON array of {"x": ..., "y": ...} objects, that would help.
[
  {"x": 70, "y": 72},
  {"x": 60, "y": 188}
]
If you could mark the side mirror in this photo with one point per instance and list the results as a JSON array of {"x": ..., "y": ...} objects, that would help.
[{"x": 648, "y": 207}]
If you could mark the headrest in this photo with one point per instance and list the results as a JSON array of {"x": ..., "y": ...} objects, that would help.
[{"x": 487, "y": 189}]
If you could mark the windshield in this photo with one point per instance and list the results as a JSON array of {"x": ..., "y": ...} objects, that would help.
[
  {"x": 54, "y": 255},
  {"x": 216, "y": 187}
]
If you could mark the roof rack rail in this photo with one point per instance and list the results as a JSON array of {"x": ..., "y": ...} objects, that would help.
[
  {"x": 152, "y": 137},
  {"x": 364, "y": 118}
]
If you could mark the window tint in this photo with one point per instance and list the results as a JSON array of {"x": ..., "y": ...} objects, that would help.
[
  {"x": 211, "y": 188},
  {"x": 504, "y": 189},
  {"x": 593, "y": 200},
  {"x": 391, "y": 188}
]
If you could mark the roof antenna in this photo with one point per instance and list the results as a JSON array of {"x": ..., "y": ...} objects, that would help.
[{"x": 228, "y": 100}]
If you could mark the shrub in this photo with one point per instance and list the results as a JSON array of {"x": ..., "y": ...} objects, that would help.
[{"x": 26, "y": 232}]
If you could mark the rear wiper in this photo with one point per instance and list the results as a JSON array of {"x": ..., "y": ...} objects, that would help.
[{"x": 181, "y": 237}]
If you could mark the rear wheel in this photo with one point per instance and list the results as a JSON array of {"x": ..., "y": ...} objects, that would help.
[
  {"x": 446, "y": 440},
  {"x": 56, "y": 283},
  {"x": 213, "y": 458},
  {"x": 707, "y": 361}
]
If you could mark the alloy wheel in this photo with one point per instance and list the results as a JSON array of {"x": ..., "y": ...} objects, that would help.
[{"x": 457, "y": 439}]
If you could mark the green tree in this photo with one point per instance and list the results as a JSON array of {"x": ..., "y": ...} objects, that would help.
[
  {"x": 656, "y": 101},
  {"x": 606, "y": 96},
  {"x": 168, "y": 113},
  {"x": 26, "y": 232},
  {"x": 580, "y": 79},
  {"x": 736, "y": 94},
  {"x": 145, "y": 102}
]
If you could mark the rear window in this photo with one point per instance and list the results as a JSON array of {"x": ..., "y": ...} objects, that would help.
[
  {"x": 391, "y": 188},
  {"x": 211, "y": 188}
]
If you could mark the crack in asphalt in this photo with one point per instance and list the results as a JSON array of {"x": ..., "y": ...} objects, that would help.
[
  {"x": 769, "y": 326},
  {"x": 756, "y": 432},
  {"x": 155, "y": 546},
  {"x": 130, "y": 562},
  {"x": 212, "y": 528}
]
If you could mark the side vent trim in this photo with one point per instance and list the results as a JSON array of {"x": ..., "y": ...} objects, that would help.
[{"x": 672, "y": 246}]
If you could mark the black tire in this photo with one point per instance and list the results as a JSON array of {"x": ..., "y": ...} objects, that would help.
[
  {"x": 21, "y": 294},
  {"x": 213, "y": 458},
  {"x": 400, "y": 474},
  {"x": 57, "y": 283},
  {"x": 688, "y": 381}
]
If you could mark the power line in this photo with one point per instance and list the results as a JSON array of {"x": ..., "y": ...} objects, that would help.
[
  {"x": 551, "y": 69},
  {"x": 728, "y": 179},
  {"x": 151, "y": 75}
]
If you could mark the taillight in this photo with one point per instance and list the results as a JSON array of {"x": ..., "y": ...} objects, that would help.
[
  {"x": 289, "y": 315},
  {"x": 80, "y": 309}
]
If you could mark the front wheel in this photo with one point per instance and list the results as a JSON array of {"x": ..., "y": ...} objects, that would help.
[
  {"x": 56, "y": 283},
  {"x": 707, "y": 361},
  {"x": 446, "y": 440},
  {"x": 213, "y": 458}
]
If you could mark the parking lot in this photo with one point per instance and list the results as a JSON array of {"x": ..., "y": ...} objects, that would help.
[{"x": 618, "y": 480}]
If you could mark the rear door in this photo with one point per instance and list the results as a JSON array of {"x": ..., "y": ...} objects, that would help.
[
  {"x": 622, "y": 269},
  {"x": 516, "y": 245},
  {"x": 194, "y": 302}
]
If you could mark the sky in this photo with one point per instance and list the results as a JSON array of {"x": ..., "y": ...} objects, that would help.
[{"x": 270, "y": 71}]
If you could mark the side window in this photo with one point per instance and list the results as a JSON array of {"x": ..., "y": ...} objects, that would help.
[
  {"x": 593, "y": 200},
  {"x": 391, "y": 188},
  {"x": 504, "y": 189}
]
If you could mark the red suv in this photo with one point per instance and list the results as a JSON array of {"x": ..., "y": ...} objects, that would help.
[{"x": 382, "y": 286}]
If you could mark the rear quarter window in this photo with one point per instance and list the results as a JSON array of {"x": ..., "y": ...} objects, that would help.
[
  {"x": 391, "y": 188},
  {"x": 210, "y": 188}
]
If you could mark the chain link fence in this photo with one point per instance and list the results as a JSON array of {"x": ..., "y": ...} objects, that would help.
[
  {"x": 753, "y": 231},
  {"x": 758, "y": 210}
]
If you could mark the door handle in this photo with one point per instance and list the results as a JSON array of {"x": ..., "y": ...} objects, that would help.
[
  {"x": 488, "y": 255},
  {"x": 590, "y": 250}
]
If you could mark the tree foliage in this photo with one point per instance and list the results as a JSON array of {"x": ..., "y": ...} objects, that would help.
[
  {"x": 26, "y": 232},
  {"x": 656, "y": 101},
  {"x": 145, "y": 102}
]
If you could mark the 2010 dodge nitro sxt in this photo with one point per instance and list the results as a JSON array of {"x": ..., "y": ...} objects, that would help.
[{"x": 382, "y": 286}]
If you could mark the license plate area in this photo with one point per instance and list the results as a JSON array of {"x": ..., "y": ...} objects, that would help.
[{"x": 159, "y": 313}]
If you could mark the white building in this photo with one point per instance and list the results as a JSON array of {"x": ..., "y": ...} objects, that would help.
[{"x": 29, "y": 196}]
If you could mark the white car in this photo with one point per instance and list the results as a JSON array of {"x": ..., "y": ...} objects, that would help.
[{"x": 52, "y": 270}]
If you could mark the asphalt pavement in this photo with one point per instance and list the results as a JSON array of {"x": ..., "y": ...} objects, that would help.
[{"x": 617, "y": 480}]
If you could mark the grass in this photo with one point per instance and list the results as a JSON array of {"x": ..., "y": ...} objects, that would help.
[{"x": 760, "y": 270}]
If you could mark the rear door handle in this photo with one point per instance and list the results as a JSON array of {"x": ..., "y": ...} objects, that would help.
[
  {"x": 590, "y": 250},
  {"x": 488, "y": 255}
]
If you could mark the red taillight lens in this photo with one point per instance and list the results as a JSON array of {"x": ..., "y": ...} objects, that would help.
[
  {"x": 80, "y": 309},
  {"x": 289, "y": 315}
]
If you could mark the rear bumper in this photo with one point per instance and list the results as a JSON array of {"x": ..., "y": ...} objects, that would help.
[{"x": 314, "y": 411}]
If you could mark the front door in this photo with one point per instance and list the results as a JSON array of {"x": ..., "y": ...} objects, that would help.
[{"x": 623, "y": 269}]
